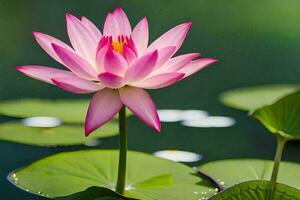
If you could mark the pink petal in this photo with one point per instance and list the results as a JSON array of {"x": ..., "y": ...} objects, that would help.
[
  {"x": 45, "y": 74},
  {"x": 92, "y": 28},
  {"x": 104, "y": 105},
  {"x": 111, "y": 80},
  {"x": 75, "y": 63},
  {"x": 196, "y": 66},
  {"x": 141, "y": 67},
  {"x": 100, "y": 58},
  {"x": 164, "y": 55},
  {"x": 141, "y": 104},
  {"x": 81, "y": 38},
  {"x": 123, "y": 22},
  {"x": 77, "y": 85},
  {"x": 129, "y": 55},
  {"x": 140, "y": 36},
  {"x": 178, "y": 62},
  {"x": 173, "y": 37},
  {"x": 159, "y": 81},
  {"x": 114, "y": 62},
  {"x": 111, "y": 26},
  {"x": 45, "y": 41}
]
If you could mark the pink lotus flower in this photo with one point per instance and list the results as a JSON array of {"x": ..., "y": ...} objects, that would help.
[{"x": 117, "y": 65}]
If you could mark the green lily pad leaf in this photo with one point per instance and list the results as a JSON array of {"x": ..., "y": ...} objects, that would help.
[
  {"x": 64, "y": 135},
  {"x": 69, "y": 111},
  {"x": 283, "y": 117},
  {"x": 148, "y": 177},
  {"x": 260, "y": 190},
  {"x": 230, "y": 172},
  {"x": 251, "y": 98},
  {"x": 93, "y": 193}
]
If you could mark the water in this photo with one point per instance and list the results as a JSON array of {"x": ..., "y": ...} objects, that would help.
[{"x": 253, "y": 49}]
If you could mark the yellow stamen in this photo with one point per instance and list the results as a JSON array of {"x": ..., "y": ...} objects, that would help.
[{"x": 118, "y": 46}]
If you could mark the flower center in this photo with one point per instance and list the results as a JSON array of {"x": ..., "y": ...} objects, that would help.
[{"x": 118, "y": 46}]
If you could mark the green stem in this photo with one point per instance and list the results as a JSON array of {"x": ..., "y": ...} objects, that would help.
[
  {"x": 122, "y": 152},
  {"x": 279, "y": 150}
]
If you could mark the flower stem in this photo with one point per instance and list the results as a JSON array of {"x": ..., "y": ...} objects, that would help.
[
  {"x": 279, "y": 150},
  {"x": 122, "y": 152}
]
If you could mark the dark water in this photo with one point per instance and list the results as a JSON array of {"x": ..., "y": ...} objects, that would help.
[{"x": 257, "y": 42}]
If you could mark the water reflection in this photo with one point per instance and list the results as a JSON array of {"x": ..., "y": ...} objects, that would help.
[
  {"x": 195, "y": 118},
  {"x": 178, "y": 156},
  {"x": 210, "y": 122},
  {"x": 169, "y": 115},
  {"x": 43, "y": 122}
]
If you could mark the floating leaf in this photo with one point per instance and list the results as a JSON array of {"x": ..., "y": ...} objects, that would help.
[
  {"x": 230, "y": 172},
  {"x": 148, "y": 177},
  {"x": 93, "y": 193},
  {"x": 57, "y": 136},
  {"x": 251, "y": 98},
  {"x": 260, "y": 190},
  {"x": 70, "y": 111},
  {"x": 282, "y": 117}
]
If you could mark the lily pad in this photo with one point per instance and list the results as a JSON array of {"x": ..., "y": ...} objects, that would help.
[
  {"x": 231, "y": 172},
  {"x": 251, "y": 98},
  {"x": 69, "y": 111},
  {"x": 148, "y": 177},
  {"x": 64, "y": 135},
  {"x": 283, "y": 117},
  {"x": 258, "y": 190}
]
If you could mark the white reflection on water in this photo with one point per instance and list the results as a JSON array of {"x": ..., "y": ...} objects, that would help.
[
  {"x": 172, "y": 115},
  {"x": 178, "y": 156},
  {"x": 93, "y": 143},
  {"x": 168, "y": 115},
  {"x": 195, "y": 118},
  {"x": 210, "y": 122},
  {"x": 193, "y": 114},
  {"x": 43, "y": 122}
]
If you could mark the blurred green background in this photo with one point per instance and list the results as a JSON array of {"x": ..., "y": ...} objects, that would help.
[{"x": 256, "y": 41}]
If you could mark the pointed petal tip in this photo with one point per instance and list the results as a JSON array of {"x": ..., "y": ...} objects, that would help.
[
  {"x": 118, "y": 9},
  {"x": 69, "y": 16},
  {"x": 38, "y": 35},
  {"x": 196, "y": 54},
  {"x": 189, "y": 24},
  {"x": 87, "y": 130},
  {"x": 35, "y": 33},
  {"x": 19, "y": 68},
  {"x": 212, "y": 60},
  {"x": 157, "y": 127}
]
